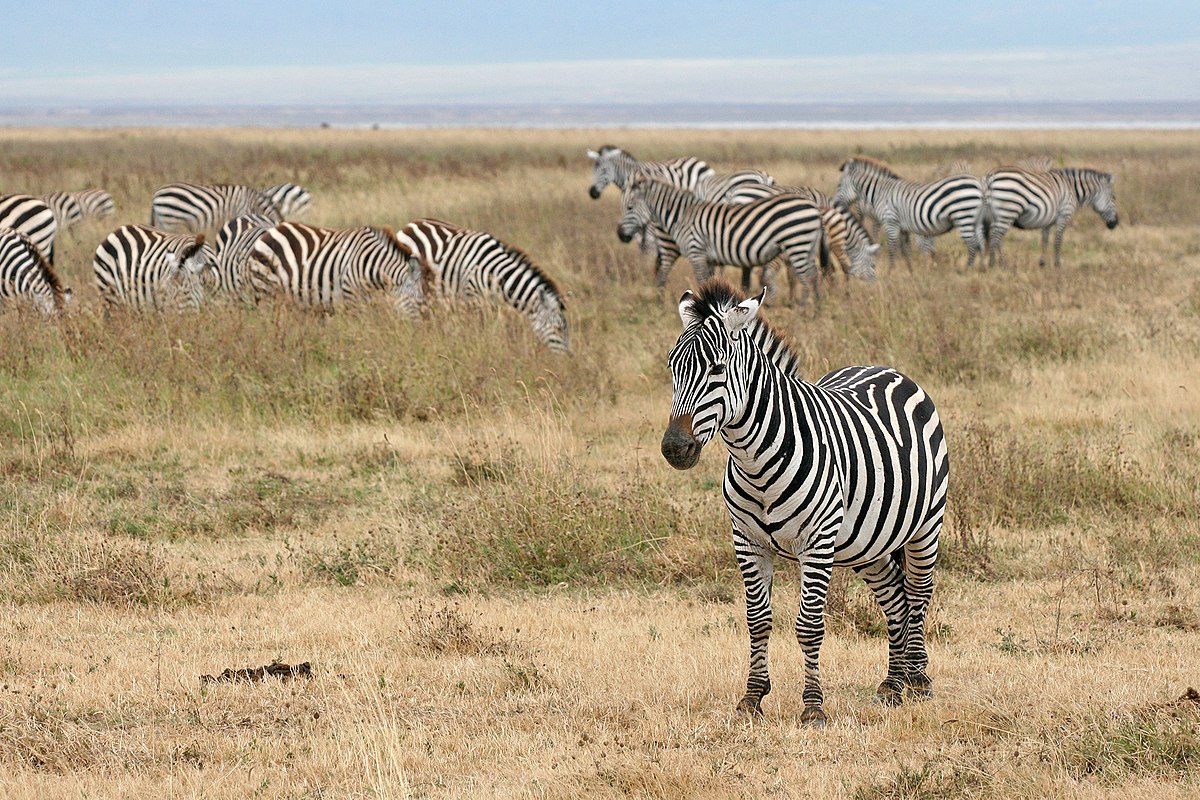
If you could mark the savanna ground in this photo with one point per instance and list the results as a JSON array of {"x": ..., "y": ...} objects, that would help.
[{"x": 502, "y": 588}]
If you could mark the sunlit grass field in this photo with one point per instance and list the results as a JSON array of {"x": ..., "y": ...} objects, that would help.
[{"x": 502, "y": 588}]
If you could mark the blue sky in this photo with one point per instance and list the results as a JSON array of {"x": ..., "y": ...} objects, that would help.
[{"x": 617, "y": 51}]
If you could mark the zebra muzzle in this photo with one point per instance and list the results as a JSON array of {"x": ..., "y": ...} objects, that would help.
[
  {"x": 679, "y": 446},
  {"x": 594, "y": 192},
  {"x": 624, "y": 235},
  {"x": 1112, "y": 224}
]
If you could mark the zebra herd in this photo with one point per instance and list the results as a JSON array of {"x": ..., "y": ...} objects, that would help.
[
  {"x": 745, "y": 219},
  {"x": 170, "y": 265}
]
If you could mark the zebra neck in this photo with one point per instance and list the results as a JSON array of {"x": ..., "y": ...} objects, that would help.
[
  {"x": 773, "y": 419},
  {"x": 623, "y": 170}
]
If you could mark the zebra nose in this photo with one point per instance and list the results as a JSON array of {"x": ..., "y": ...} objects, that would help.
[
  {"x": 679, "y": 446},
  {"x": 624, "y": 236},
  {"x": 594, "y": 192},
  {"x": 1112, "y": 224}
]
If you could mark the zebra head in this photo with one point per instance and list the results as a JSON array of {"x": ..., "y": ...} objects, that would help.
[
  {"x": 189, "y": 267},
  {"x": 847, "y": 188},
  {"x": 1104, "y": 199},
  {"x": 859, "y": 246},
  {"x": 605, "y": 169},
  {"x": 637, "y": 216},
  {"x": 291, "y": 200},
  {"x": 549, "y": 321},
  {"x": 707, "y": 369}
]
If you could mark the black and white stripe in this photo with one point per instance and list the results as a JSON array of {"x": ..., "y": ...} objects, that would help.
[
  {"x": 67, "y": 211},
  {"x": 32, "y": 217},
  {"x": 96, "y": 203},
  {"x": 195, "y": 207},
  {"x": 291, "y": 200},
  {"x": 232, "y": 277},
  {"x": 902, "y": 206},
  {"x": 1033, "y": 199},
  {"x": 850, "y": 471},
  {"x": 708, "y": 234},
  {"x": 613, "y": 165},
  {"x": 332, "y": 268},
  {"x": 141, "y": 267},
  {"x": 26, "y": 277},
  {"x": 469, "y": 265}
]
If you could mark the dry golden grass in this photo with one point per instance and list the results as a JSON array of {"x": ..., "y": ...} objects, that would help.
[{"x": 503, "y": 589}]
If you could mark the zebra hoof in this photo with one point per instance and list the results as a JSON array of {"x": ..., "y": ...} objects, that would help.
[
  {"x": 751, "y": 705},
  {"x": 813, "y": 717},
  {"x": 890, "y": 692},
  {"x": 918, "y": 685}
]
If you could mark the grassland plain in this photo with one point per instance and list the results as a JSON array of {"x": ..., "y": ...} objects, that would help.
[{"x": 503, "y": 589}]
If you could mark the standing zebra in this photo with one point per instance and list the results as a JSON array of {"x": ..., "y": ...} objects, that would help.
[
  {"x": 850, "y": 471},
  {"x": 328, "y": 268},
  {"x": 67, "y": 211},
  {"x": 901, "y": 206},
  {"x": 96, "y": 203},
  {"x": 614, "y": 165},
  {"x": 195, "y": 207},
  {"x": 234, "y": 252},
  {"x": 707, "y": 234},
  {"x": 471, "y": 265},
  {"x": 32, "y": 217},
  {"x": 142, "y": 267},
  {"x": 1034, "y": 198},
  {"x": 291, "y": 200},
  {"x": 26, "y": 275}
]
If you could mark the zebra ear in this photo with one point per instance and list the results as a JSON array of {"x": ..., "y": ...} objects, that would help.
[
  {"x": 686, "y": 303},
  {"x": 873, "y": 249},
  {"x": 593, "y": 155},
  {"x": 737, "y": 318}
]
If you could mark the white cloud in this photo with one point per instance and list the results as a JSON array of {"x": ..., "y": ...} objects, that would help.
[{"x": 1091, "y": 75}]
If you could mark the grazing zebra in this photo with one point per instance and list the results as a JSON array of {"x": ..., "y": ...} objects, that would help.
[
  {"x": 67, "y": 211},
  {"x": 925, "y": 209},
  {"x": 850, "y": 471},
  {"x": 32, "y": 217},
  {"x": 328, "y": 268},
  {"x": 291, "y": 200},
  {"x": 462, "y": 264},
  {"x": 614, "y": 165},
  {"x": 195, "y": 207},
  {"x": 707, "y": 234},
  {"x": 1031, "y": 199},
  {"x": 96, "y": 203},
  {"x": 26, "y": 275},
  {"x": 234, "y": 253},
  {"x": 142, "y": 267}
]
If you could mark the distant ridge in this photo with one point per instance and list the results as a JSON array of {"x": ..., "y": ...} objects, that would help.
[{"x": 1165, "y": 115}]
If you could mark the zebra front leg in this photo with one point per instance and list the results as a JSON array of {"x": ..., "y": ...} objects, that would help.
[
  {"x": 906, "y": 249},
  {"x": 1045, "y": 243},
  {"x": 1059, "y": 230},
  {"x": 892, "y": 232},
  {"x": 885, "y": 578},
  {"x": 920, "y": 555},
  {"x": 810, "y": 632},
  {"x": 758, "y": 568}
]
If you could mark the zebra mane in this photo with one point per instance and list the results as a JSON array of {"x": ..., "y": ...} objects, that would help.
[
  {"x": 1085, "y": 172},
  {"x": 527, "y": 262},
  {"x": 46, "y": 267},
  {"x": 716, "y": 297},
  {"x": 870, "y": 163}
]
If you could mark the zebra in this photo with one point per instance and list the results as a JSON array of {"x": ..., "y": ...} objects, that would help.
[
  {"x": 925, "y": 209},
  {"x": 473, "y": 265},
  {"x": 32, "y": 217},
  {"x": 96, "y": 203},
  {"x": 746, "y": 236},
  {"x": 1033, "y": 198},
  {"x": 614, "y": 165},
  {"x": 329, "y": 268},
  {"x": 66, "y": 207},
  {"x": 26, "y": 275},
  {"x": 291, "y": 200},
  {"x": 234, "y": 253},
  {"x": 849, "y": 471},
  {"x": 742, "y": 186},
  {"x": 142, "y": 267},
  {"x": 195, "y": 207}
]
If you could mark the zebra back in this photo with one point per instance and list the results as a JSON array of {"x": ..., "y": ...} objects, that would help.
[
  {"x": 328, "y": 267},
  {"x": 195, "y": 207},
  {"x": 95, "y": 203},
  {"x": 462, "y": 264},
  {"x": 291, "y": 199},
  {"x": 743, "y": 186},
  {"x": 67, "y": 211},
  {"x": 142, "y": 267},
  {"x": 25, "y": 274},
  {"x": 32, "y": 217},
  {"x": 235, "y": 247}
]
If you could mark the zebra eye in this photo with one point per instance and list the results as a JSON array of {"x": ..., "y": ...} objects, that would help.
[{"x": 718, "y": 369}]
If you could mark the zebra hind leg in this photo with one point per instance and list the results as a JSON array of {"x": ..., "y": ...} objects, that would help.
[
  {"x": 920, "y": 555},
  {"x": 885, "y": 577}
]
